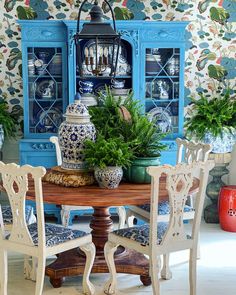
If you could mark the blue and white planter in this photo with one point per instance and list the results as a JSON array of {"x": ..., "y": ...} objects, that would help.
[
  {"x": 108, "y": 177},
  {"x": 72, "y": 133},
  {"x": 223, "y": 143}
]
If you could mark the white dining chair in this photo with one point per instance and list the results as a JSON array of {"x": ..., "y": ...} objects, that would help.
[
  {"x": 66, "y": 209},
  {"x": 30, "y": 218},
  {"x": 161, "y": 238},
  {"x": 40, "y": 239},
  {"x": 187, "y": 152}
]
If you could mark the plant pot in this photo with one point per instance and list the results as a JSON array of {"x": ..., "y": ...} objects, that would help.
[
  {"x": 136, "y": 173},
  {"x": 108, "y": 177},
  {"x": 221, "y": 144}
]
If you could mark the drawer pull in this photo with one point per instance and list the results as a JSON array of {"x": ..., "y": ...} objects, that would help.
[
  {"x": 163, "y": 34},
  {"x": 47, "y": 33}
]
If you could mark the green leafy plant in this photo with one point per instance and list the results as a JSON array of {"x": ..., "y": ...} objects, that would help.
[
  {"x": 8, "y": 120},
  {"x": 107, "y": 152},
  {"x": 213, "y": 116},
  {"x": 125, "y": 119}
]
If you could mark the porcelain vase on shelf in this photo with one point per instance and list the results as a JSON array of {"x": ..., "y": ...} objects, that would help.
[
  {"x": 72, "y": 133},
  {"x": 108, "y": 177},
  {"x": 221, "y": 144}
]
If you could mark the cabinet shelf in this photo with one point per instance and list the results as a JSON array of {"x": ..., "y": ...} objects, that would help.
[
  {"x": 45, "y": 100},
  {"x": 103, "y": 77},
  {"x": 45, "y": 76},
  {"x": 161, "y": 77},
  {"x": 149, "y": 99}
]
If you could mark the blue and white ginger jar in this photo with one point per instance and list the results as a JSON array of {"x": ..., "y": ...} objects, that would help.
[{"x": 72, "y": 133}]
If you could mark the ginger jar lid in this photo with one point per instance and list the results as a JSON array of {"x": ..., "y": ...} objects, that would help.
[{"x": 77, "y": 111}]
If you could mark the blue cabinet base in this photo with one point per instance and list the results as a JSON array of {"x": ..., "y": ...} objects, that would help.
[{"x": 78, "y": 213}]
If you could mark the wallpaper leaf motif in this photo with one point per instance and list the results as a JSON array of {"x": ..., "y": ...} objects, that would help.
[{"x": 210, "y": 46}]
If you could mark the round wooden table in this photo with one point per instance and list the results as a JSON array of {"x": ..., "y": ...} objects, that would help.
[{"x": 71, "y": 263}]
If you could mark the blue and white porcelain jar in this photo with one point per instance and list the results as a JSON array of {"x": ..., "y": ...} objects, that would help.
[{"x": 72, "y": 133}]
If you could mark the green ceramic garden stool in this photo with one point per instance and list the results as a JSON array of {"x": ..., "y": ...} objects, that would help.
[{"x": 213, "y": 188}]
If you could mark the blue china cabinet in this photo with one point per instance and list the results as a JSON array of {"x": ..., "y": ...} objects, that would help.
[{"x": 151, "y": 62}]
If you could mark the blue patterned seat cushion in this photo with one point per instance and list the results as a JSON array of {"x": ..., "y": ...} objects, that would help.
[
  {"x": 140, "y": 234},
  {"x": 55, "y": 234},
  {"x": 164, "y": 208},
  {"x": 7, "y": 214}
]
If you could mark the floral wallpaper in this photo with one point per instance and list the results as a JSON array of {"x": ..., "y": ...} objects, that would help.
[{"x": 210, "y": 49}]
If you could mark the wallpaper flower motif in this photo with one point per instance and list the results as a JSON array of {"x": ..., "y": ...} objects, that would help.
[{"x": 211, "y": 44}]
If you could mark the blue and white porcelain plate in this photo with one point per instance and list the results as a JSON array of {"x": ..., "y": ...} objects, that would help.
[
  {"x": 161, "y": 117},
  {"x": 49, "y": 119}
]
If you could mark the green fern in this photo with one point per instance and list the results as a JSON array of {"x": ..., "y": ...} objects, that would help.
[
  {"x": 107, "y": 152},
  {"x": 214, "y": 116},
  {"x": 142, "y": 135}
]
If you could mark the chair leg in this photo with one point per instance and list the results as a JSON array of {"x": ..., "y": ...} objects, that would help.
[
  {"x": 198, "y": 247},
  {"x": 27, "y": 267},
  {"x": 154, "y": 271},
  {"x": 166, "y": 272},
  {"x": 34, "y": 269},
  {"x": 89, "y": 250},
  {"x": 30, "y": 267},
  {"x": 111, "y": 285},
  {"x": 198, "y": 244},
  {"x": 65, "y": 217},
  {"x": 3, "y": 272},
  {"x": 122, "y": 216},
  {"x": 192, "y": 271},
  {"x": 40, "y": 276},
  {"x": 129, "y": 218}
]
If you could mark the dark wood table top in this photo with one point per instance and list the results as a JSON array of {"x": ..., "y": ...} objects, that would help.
[{"x": 125, "y": 194}]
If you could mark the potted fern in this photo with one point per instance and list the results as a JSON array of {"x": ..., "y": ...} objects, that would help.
[
  {"x": 124, "y": 118},
  {"x": 107, "y": 157},
  {"x": 8, "y": 122},
  {"x": 213, "y": 121}
]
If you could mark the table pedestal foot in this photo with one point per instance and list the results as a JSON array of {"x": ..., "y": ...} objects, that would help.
[
  {"x": 71, "y": 263},
  {"x": 56, "y": 283},
  {"x": 146, "y": 280}
]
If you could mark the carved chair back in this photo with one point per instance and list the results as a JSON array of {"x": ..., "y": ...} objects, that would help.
[
  {"x": 15, "y": 183},
  {"x": 179, "y": 180},
  {"x": 189, "y": 151}
]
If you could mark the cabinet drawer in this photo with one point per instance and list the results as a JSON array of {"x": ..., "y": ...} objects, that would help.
[{"x": 45, "y": 33}]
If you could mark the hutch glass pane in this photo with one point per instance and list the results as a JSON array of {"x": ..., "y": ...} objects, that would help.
[
  {"x": 162, "y": 67},
  {"x": 44, "y": 89}
]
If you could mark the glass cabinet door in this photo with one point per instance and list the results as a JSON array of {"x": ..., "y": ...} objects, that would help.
[
  {"x": 45, "y": 89},
  {"x": 162, "y": 88},
  {"x": 89, "y": 85}
]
